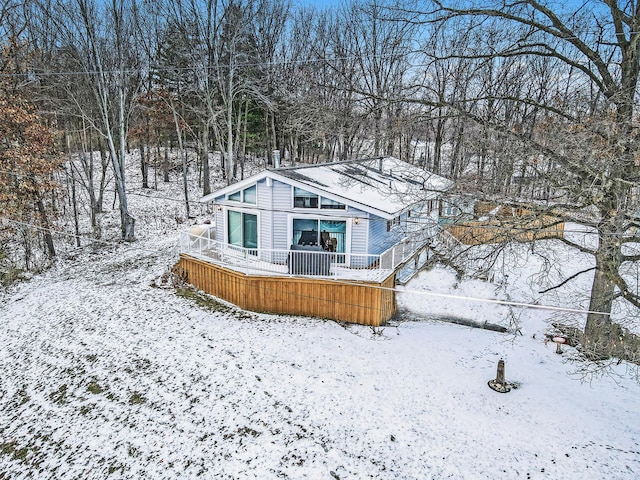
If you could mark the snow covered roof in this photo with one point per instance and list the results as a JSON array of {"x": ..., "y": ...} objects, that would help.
[{"x": 384, "y": 186}]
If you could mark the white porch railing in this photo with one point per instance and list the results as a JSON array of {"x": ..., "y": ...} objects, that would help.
[{"x": 312, "y": 263}]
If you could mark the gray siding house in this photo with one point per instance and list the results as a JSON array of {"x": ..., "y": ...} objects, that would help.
[{"x": 354, "y": 210}]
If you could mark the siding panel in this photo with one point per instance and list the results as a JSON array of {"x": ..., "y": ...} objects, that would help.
[
  {"x": 379, "y": 239},
  {"x": 266, "y": 221},
  {"x": 281, "y": 205}
]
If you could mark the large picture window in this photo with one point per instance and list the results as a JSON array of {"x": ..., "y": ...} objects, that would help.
[
  {"x": 331, "y": 235},
  {"x": 243, "y": 229}
]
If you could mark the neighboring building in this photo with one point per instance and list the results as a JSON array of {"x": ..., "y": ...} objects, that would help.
[
  {"x": 490, "y": 222},
  {"x": 456, "y": 208}
]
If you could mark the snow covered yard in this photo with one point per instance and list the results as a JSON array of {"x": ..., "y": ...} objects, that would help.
[{"x": 104, "y": 376}]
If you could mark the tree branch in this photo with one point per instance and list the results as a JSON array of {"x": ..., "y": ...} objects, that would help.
[
  {"x": 557, "y": 29},
  {"x": 567, "y": 280}
]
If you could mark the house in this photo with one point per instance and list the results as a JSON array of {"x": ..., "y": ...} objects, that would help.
[
  {"x": 354, "y": 221},
  {"x": 363, "y": 207}
]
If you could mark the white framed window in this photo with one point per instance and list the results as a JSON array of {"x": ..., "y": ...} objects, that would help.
[
  {"x": 304, "y": 199},
  {"x": 247, "y": 195},
  {"x": 242, "y": 229}
]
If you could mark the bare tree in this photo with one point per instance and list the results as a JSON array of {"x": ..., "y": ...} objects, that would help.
[
  {"x": 588, "y": 130},
  {"x": 94, "y": 39}
]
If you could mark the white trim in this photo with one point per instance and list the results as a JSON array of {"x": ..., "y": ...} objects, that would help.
[
  {"x": 223, "y": 192},
  {"x": 350, "y": 198},
  {"x": 324, "y": 193},
  {"x": 225, "y": 223},
  {"x": 241, "y": 192},
  {"x": 367, "y": 231},
  {"x": 320, "y": 197}
]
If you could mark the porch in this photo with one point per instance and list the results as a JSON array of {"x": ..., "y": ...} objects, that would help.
[
  {"x": 300, "y": 261},
  {"x": 305, "y": 280}
]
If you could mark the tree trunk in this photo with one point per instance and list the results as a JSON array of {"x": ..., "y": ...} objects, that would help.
[
  {"x": 602, "y": 292},
  {"x": 185, "y": 171},
  {"x": 156, "y": 163},
  {"x": 128, "y": 221},
  {"x": 74, "y": 204},
  {"x": 104, "y": 165},
  {"x": 231, "y": 167},
  {"x": 437, "y": 146},
  {"x": 165, "y": 166},
  {"x": 204, "y": 160},
  {"x": 144, "y": 167},
  {"x": 48, "y": 239}
]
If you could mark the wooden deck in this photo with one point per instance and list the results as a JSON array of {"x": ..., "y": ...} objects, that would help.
[
  {"x": 507, "y": 230},
  {"x": 365, "y": 303}
]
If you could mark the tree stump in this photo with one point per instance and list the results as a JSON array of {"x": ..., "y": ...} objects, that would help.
[{"x": 499, "y": 384}]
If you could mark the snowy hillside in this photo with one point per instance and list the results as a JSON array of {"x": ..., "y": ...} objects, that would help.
[{"x": 104, "y": 376}]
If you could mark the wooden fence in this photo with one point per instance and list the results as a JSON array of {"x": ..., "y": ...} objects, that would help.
[{"x": 365, "y": 303}]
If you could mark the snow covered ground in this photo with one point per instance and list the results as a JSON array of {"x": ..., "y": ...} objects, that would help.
[{"x": 104, "y": 376}]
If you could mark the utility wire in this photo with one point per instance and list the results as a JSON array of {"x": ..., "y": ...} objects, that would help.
[
  {"x": 342, "y": 282},
  {"x": 329, "y": 214},
  {"x": 270, "y": 63}
]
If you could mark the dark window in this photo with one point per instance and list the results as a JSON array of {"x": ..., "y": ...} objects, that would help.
[
  {"x": 394, "y": 222},
  {"x": 329, "y": 234},
  {"x": 304, "y": 199},
  {"x": 331, "y": 204}
]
